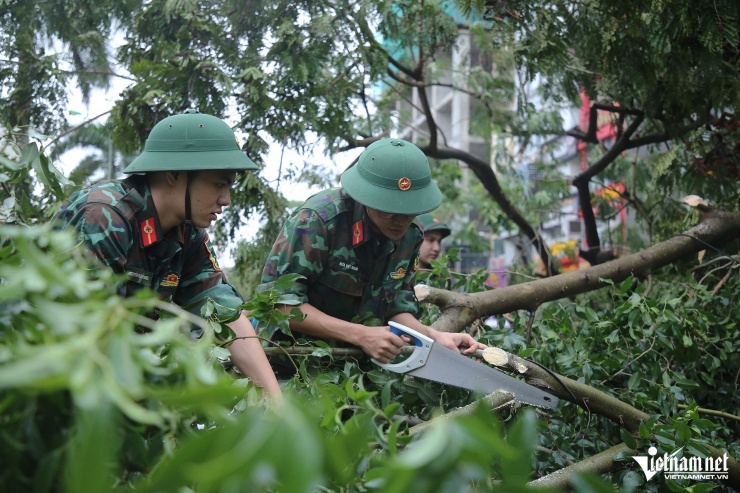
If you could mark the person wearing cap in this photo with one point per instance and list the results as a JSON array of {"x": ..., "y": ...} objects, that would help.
[
  {"x": 151, "y": 225},
  {"x": 434, "y": 232},
  {"x": 357, "y": 246}
]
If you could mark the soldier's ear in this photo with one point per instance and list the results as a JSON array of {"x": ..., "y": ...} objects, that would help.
[{"x": 171, "y": 177}]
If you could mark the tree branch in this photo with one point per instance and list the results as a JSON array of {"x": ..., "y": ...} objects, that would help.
[
  {"x": 495, "y": 402},
  {"x": 483, "y": 171},
  {"x": 460, "y": 310},
  {"x": 597, "y": 464}
]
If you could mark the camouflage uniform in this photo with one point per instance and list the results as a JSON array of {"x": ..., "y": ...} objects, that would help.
[
  {"x": 350, "y": 270},
  {"x": 119, "y": 223}
]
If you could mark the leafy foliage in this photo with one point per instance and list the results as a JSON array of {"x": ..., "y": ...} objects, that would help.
[
  {"x": 96, "y": 397},
  {"x": 92, "y": 401}
]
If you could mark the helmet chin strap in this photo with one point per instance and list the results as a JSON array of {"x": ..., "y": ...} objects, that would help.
[{"x": 188, "y": 218}]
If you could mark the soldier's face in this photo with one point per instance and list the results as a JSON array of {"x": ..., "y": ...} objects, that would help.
[
  {"x": 392, "y": 226},
  {"x": 431, "y": 247},
  {"x": 210, "y": 192}
]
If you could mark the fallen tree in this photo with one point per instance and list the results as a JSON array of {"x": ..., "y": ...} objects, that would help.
[{"x": 461, "y": 309}]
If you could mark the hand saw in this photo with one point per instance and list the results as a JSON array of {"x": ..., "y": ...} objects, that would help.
[{"x": 440, "y": 364}]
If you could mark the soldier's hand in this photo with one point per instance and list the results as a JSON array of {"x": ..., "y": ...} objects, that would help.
[
  {"x": 456, "y": 341},
  {"x": 380, "y": 343}
]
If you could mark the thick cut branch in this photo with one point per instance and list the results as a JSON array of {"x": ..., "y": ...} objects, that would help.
[
  {"x": 495, "y": 401},
  {"x": 460, "y": 310},
  {"x": 590, "y": 399},
  {"x": 597, "y": 464}
]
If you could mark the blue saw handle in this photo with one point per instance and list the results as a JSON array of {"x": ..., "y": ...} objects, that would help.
[
  {"x": 401, "y": 330},
  {"x": 422, "y": 346}
]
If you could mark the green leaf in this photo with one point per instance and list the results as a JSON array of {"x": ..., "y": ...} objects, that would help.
[
  {"x": 644, "y": 431},
  {"x": 583, "y": 482},
  {"x": 516, "y": 470},
  {"x": 683, "y": 431},
  {"x": 628, "y": 439},
  {"x": 626, "y": 285},
  {"x": 286, "y": 282},
  {"x": 526, "y": 353},
  {"x": 666, "y": 380}
]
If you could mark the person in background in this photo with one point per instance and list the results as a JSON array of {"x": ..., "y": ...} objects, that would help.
[
  {"x": 358, "y": 248},
  {"x": 151, "y": 225},
  {"x": 434, "y": 232}
]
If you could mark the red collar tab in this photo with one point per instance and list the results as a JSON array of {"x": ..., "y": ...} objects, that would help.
[
  {"x": 358, "y": 233},
  {"x": 148, "y": 232}
]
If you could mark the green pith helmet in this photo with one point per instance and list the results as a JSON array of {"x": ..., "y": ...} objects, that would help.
[
  {"x": 431, "y": 223},
  {"x": 393, "y": 175},
  {"x": 191, "y": 141}
]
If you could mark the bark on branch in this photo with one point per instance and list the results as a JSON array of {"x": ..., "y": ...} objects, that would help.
[
  {"x": 460, "y": 309},
  {"x": 597, "y": 464}
]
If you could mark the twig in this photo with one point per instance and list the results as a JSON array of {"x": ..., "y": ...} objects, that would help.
[
  {"x": 528, "y": 336},
  {"x": 713, "y": 412},
  {"x": 720, "y": 284},
  {"x": 701, "y": 281},
  {"x": 633, "y": 361},
  {"x": 706, "y": 264},
  {"x": 311, "y": 350},
  {"x": 74, "y": 129}
]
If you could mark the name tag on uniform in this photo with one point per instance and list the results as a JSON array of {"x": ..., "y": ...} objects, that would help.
[
  {"x": 345, "y": 265},
  {"x": 139, "y": 276}
]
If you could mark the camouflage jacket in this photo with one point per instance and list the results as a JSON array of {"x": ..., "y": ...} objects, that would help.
[
  {"x": 118, "y": 221},
  {"x": 350, "y": 270}
]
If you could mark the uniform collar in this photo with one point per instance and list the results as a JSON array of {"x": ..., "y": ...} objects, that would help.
[
  {"x": 150, "y": 231},
  {"x": 362, "y": 231}
]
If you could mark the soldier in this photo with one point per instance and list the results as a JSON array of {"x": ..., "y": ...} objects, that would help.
[
  {"x": 358, "y": 248},
  {"x": 434, "y": 232},
  {"x": 151, "y": 225}
]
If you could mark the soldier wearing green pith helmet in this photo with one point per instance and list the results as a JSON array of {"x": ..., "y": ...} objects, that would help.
[
  {"x": 357, "y": 247},
  {"x": 434, "y": 232},
  {"x": 150, "y": 226}
]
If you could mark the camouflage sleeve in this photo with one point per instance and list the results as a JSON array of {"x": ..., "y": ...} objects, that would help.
[
  {"x": 202, "y": 278},
  {"x": 300, "y": 248},
  {"x": 106, "y": 233},
  {"x": 406, "y": 301}
]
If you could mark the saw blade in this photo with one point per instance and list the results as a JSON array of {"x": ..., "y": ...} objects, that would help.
[{"x": 452, "y": 368}]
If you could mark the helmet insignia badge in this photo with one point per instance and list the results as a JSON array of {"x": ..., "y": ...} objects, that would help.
[{"x": 404, "y": 184}]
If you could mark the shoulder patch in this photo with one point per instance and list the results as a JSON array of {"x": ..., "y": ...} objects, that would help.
[{"x": 211, "y": 254}]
